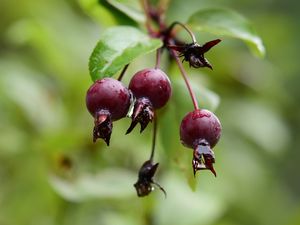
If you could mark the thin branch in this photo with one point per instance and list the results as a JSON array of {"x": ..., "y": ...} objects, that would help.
[
  {"x": 146, "y": 8},
  {"x": 153, "y": 138},
  {"x": 184, "y": 75},
  {"x": 185, "y": 27},
  {"x": 158, "y": 58},
  {"x": 123, "y": 72}
]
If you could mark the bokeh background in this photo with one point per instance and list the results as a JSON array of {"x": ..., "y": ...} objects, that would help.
[{"x": 52, "y": 173}]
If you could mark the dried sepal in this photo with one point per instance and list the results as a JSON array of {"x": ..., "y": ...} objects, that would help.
[
  {"x": 203, "y": 157},
  {"x": 194, "y": 53},
  {"x": 103, "y": 126},
  {"x": 145, "y": 180},
  {"x": 143, "y": 113}
]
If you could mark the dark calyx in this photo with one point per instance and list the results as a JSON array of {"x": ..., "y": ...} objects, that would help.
[
  {"x": 144, "y": 184},
  {"x": 203, "y": 157},
  {"x": 143, "y": 113},
  {"x": 103, "y": 126},
  {"x": 194, "y": 53}
]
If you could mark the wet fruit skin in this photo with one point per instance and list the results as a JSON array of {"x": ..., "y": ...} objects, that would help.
[
  {"x": 201, "y": 130},
  {"x": 200, "y": 125},
  {"x": 153, "y": 84},
  {"x": 108, "y": 94},
  {"x": 107, "y": 100}
]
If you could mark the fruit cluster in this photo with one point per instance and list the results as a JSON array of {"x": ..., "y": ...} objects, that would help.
[
  {"x": 109, "y": 100},
  {"x": 150, "y": 89}
]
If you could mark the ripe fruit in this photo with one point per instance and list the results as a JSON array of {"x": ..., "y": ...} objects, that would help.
[
  {"x": 152, "y": 90},
  {"x": 153, "y": 84},
  {"x": 107, "y": 100},
  {"x": 201, "y": 130},
  {"x": 197, "y": 125}
]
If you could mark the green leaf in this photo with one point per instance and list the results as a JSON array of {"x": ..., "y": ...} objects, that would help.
[
  {"x": 104, "y": 13},
  {"x": 131, "y": 8},
  {"x": 117, "y": 47},
  {"x": 98, "y": 12},
  {"x": 226, "y": 22}
]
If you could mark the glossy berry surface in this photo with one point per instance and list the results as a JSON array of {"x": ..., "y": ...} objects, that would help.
[
  {"x": 200, "y": 125},
  {"x": 201, "y": 130},
  {"x": 107, "y": 100},
  {"x": 108, "y": 94},
  {"x": 153, "y": 84}
]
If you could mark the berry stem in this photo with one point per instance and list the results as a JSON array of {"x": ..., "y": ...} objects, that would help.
[
  {"x": 146, "y": 7},
  {"x": 123, "y": 72},
  {"x": 184, "y": 75},
  {"x": 158, "y": 57},
  {"x": 185, "y": 27},
  {"x": 153, "y": 138}
]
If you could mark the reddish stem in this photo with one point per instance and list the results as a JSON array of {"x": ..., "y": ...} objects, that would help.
[
  {"x": 123, "y": 72},
  {"x": 185, "y": 27},
  {"x": 158, "y": 57},
  {"x": 146, "y": 7},
  {"x": 169, "y": 40},
  {"x": 184, "y": 75},
  {"x": 153, "y": 138}
]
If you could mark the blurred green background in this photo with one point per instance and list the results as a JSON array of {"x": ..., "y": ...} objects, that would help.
[{"x": 52, "y": 173}]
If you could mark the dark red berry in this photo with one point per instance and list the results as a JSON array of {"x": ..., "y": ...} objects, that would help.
[
  {"x": 107, "y": 100},
  {"x": 198, "y": 125},
  {"x": 201, "y": 130},
  {"x": 108, "y": 94},
  {"x": 153, "y": 84},
  {"x": 152, "y": 90}
]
